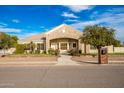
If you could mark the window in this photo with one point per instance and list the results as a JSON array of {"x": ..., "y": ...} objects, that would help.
[
  {"x": 74, "y": 45},
  {"x": 64, "y": 46},
  {"x": 40, "y": 46}
]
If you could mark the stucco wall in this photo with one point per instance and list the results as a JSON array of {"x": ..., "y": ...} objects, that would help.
[
  {"x": 93, "y": 51},
  {"x": 118, "y": 49},
  {"x": 111, "y": 49}
]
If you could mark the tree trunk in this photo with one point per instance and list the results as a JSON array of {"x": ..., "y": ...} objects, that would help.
[
  {"x": 85, "y": 50},
  {"x": 4, "y": 51},
  {"x": 99, "y": 54}
]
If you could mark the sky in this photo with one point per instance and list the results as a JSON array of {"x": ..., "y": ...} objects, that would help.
[{"x": 28, "y": 20}]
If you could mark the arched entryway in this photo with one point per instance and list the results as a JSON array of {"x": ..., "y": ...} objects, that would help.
[{"x": 64, "y": 44}]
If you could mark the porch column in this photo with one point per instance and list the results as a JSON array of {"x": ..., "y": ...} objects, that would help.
[
  {"x": 44, "y": 44},
  {"x": 35, "y": 46},
  {"x": 67, "y": 45},
  {"x": 59, "y": 46},
  {"x": 47, "y": 44}
]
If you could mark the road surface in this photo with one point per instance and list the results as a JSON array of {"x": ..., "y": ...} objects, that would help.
[{"x": 28, "y": 76}]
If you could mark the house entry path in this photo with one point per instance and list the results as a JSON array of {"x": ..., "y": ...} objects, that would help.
[{"x": 66, "y": 60}]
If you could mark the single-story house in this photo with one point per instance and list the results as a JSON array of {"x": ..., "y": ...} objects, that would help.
[{"x": 62, "y": 37}]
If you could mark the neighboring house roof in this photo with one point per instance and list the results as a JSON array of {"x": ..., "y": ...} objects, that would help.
[
  {"x": 32, "y": 38},
  {"x": 61, "y": 31}
]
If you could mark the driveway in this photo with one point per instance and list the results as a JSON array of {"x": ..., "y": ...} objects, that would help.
[
  {"x": 62, "y": 76},
  {"x": 66, "y": 60}
]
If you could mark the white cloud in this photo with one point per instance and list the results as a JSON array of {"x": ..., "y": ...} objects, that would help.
[
  {"x": 71, "y": 20},
  {"x": 116, "y": 10},
  {"x": 78, "y": 8},
  {"x": 42, "y": 27},
  {"x": 30, "y": 34},
  {"x": 26, "y": 35},
  {"x": 46, "y": 29},
  {"x": 3, "y": 25},
  {"x": 9, "y": 30},
  {"x": 69, "y": 15},
  {"x": 4, "y": 28},
  {"x": 15, "y": 21},
  {"x": 115, "y": 21},
  {"x": 110, "y": 20}
]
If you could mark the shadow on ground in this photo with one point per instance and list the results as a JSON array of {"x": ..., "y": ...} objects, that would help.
[{"x": 85, "y": 62}]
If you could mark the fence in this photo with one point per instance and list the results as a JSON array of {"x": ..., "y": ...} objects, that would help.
[
  {"x": 7, "y": 51},
  {"x": 118, "y": 49},
  {"x": 111, "y": 49}
]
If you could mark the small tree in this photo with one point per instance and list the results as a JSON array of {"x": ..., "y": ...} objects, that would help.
[
  {"x": 7, "y": 41},
  {"x": 99, "y": 36}
]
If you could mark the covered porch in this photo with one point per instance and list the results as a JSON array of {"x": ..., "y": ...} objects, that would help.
[{"x": 64, "y": 44}]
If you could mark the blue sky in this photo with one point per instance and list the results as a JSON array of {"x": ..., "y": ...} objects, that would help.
[{"x": 24, "y": 21}]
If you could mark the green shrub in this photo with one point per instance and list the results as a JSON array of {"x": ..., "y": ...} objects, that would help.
[
  {"x": 51, "y": 51},
  {"x": 20, "y": 49},
  {"x": 37, "y": 51},
  {"x": 80, "y": 51},
  {"x": 73, "y": 52},
  {"x": 44, "y": 52},
  {"x": 93, "y": 55},
  {"x": 57, "y": 52}
]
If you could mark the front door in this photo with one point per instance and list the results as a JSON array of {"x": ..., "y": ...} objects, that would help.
[{"x": 63, "y": 47}]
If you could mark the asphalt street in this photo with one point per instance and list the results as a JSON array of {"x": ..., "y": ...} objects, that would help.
[{"x": 39, "y": 76}]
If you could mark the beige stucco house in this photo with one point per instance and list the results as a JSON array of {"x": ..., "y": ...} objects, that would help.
[{"x": 64, "y": 38}]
